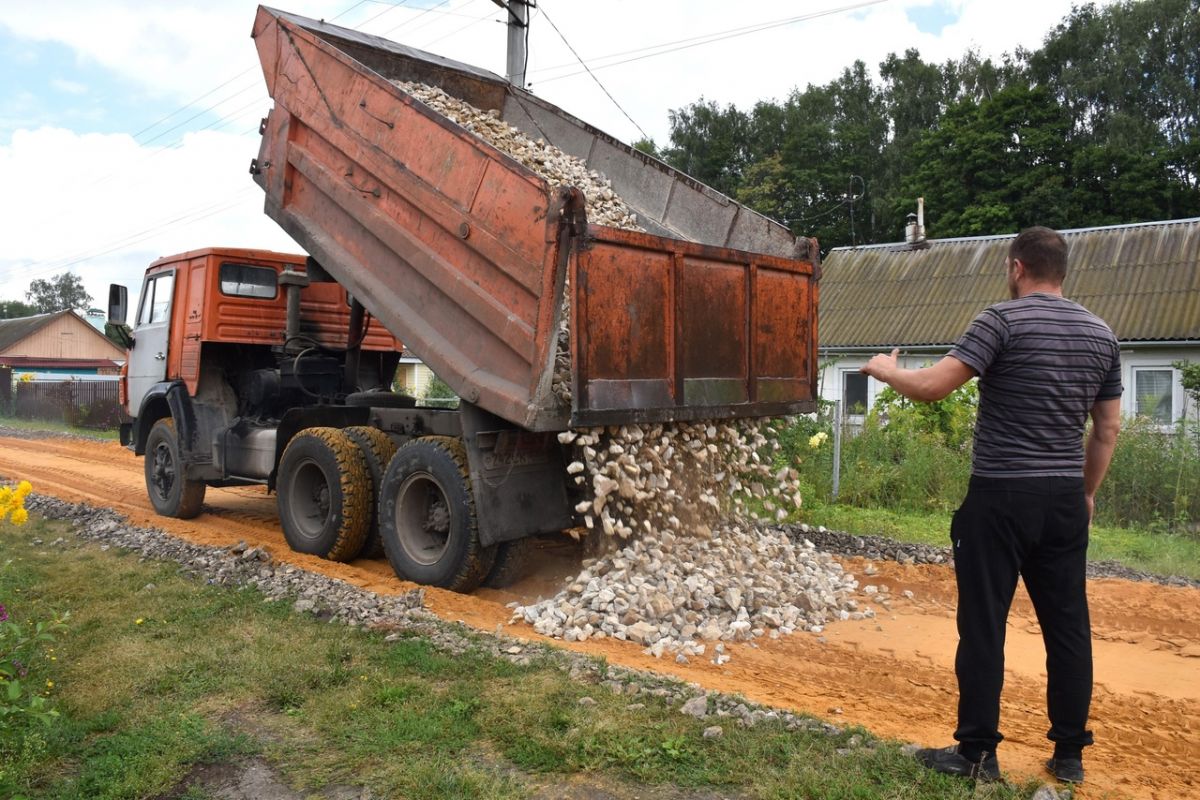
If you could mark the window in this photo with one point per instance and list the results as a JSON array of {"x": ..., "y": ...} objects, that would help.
[
  {"x": 854, "y": 393},
  {"x": 1153, "y": 394},
  {"x": 156, "y": 299},
  {"x": 243, "y": 280}
]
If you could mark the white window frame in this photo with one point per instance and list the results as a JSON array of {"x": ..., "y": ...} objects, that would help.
[
  {"x": 846, "y": 412},
  {"x": 1176, "y": 391}
]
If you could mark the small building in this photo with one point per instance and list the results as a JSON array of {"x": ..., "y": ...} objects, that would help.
[
  {"x": 412, "y": 376},
  {"x": 58, "y": 344},
  {"x": 1142, "y": 279}
]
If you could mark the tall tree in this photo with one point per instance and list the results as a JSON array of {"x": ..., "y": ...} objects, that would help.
[
  {"x": 58, "y": 293},
  {"x": 708, "y": 143}
]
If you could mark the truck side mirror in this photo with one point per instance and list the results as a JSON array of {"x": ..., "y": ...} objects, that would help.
[{"x": 118, "y": 302}]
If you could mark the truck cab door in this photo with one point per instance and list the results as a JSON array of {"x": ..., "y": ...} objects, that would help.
[{"x": 151, "y": 335}]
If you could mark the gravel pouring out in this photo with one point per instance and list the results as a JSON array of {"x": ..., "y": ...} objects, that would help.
[{"x": 684, "y": 568}]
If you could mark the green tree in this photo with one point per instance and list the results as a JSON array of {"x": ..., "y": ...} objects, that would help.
[
  {"x": 708, "y": 143},
  {"x": 14, "y": 309},
  {"x": 438, "y": 389},
  {"x": 58, "y": 293}
]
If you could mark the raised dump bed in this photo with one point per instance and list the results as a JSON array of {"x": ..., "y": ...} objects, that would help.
[{"x": 465, "y": 254}]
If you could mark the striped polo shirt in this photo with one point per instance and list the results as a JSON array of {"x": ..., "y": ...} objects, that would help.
[{"x": 1043, "y": 362}]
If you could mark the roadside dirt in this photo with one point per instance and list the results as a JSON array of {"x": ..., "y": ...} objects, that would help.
[{"x": 892, "y": 675}]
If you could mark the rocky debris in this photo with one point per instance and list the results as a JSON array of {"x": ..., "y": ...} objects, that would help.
[
  {"x": 690, "y": 568},
  {"x": 604, "y": 207},
  {"x": 679, "y": 478},
  {"x": 714, "y": 732},
  {"x": 681, "y": 594},
  {"x": 239, "y": 565},
  {"x": 696, "y": 707}
]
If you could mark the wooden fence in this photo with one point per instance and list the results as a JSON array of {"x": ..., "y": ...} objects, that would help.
[{"x": 84, "y": 404}]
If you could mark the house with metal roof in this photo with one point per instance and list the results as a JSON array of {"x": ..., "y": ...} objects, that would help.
[
  {"x": 1142, "y": 279},
  {"x": 62, "y": 343}
]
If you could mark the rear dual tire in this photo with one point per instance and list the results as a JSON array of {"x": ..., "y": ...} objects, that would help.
[{"x": 427, "y": 516}]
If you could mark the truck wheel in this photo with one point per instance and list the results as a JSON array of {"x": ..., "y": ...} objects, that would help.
[
  {"x": 378, "y": 448},
  {"x": 170, "y": 491},
  {"x": 511, "y": 564},
  {"x": 324, "y": 494},
  {"x": 427, "y": 516}
]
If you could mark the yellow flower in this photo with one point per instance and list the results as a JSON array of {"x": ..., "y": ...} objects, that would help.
[
  {"x": 817, "y": 439},
  {"x": 20, "y": 516},
  {"x": 6, "y": 495},
  {"x": 49, "y": 684},
  {"x": 23, "y": 488},
  {"x": 138, "y": 621}
]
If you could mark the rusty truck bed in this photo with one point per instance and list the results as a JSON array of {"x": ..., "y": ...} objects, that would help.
[{"x": 464, "y": 253}]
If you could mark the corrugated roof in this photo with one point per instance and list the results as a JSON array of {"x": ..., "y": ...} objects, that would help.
[
  {"x": 1142, "y": 279},
  {"x": 14, "y": 330}
]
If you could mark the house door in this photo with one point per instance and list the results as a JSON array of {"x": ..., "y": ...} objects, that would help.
[{"x": 151, "y": 333}]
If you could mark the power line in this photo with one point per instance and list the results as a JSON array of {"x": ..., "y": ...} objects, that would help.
[
  {"x": 686, "y": 44},
  {"x": 589, "y": 72},
  {"x": 475, "y": 21},
  {"x": 389, "y": 31}
]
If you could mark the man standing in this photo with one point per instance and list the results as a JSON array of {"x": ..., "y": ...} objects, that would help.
[{"x": 1045, "y": 363}]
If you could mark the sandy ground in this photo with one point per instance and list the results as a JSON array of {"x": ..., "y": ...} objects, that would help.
[{"x": 892, "y": 675}]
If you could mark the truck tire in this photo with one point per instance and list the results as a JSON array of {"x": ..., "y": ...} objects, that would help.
[
  {"x": 324, "y": 494},
  {"x": 381, "y": 400},
  {"x": 170, "y": 491},
  {"x": 427, "y": 516},
  {"x": 377, "y": 448},
  {"x": 511, "y": 564}
]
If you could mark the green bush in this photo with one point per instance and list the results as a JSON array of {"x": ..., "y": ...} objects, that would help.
[
  {"x": 1154, "y": 479},
  {"x": 916, "y": 457}
]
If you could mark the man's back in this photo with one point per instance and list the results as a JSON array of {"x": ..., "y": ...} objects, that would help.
[{"x": 1043, "y": 363}]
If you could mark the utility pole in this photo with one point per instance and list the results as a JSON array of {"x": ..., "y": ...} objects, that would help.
[{"x": 518, "y": 32}]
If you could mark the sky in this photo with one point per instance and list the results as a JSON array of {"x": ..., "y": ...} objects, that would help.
[{"x": 127, "y": 127}]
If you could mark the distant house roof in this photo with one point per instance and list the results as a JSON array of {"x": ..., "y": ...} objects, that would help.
[
  {"x": 1142, "y": 279},
  {"x": 13, "y": 331}
]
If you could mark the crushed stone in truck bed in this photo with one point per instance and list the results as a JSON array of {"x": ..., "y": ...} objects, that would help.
[{"x": 604, "y": 207}]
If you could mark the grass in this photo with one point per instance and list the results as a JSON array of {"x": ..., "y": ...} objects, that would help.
[
  {"x": 18, "y": 423},
  {"x": 1156, "y": 552},
  {"x": 160, "y": 674}
]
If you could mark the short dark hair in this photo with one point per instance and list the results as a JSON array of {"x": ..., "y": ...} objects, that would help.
[{"x": 1043, "y": 252}]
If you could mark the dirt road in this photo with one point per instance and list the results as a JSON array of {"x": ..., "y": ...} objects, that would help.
[{"x": 893, "y": 675}]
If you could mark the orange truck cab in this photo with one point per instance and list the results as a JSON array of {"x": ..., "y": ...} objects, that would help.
[{"x": 256, "y": 367}]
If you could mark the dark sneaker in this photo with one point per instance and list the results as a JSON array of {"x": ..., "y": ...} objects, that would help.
[
  {"x": 949, "y": 761},
  {"x": 1067, "y": 770}
]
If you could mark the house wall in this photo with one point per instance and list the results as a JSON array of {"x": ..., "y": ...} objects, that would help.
[
  {"x": 65, "y": 337},
  {"x": 414, "y": 378},
  {"x": 1134, "y": 359}
]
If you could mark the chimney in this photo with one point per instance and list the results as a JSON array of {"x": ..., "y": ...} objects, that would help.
[{"x": 914, "y": 231}]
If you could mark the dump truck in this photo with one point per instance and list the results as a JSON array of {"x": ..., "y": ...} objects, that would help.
[{"x": 275, "y": 370}]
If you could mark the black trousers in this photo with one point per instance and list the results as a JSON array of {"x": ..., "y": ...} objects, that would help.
[{"x": 1036, "y": 528}]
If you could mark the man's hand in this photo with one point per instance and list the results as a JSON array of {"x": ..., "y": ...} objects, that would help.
[
  {"x": 926, "y": 384},
  {"x": 1091, "y": 507},
  {"x": 881, "y": 366}
]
